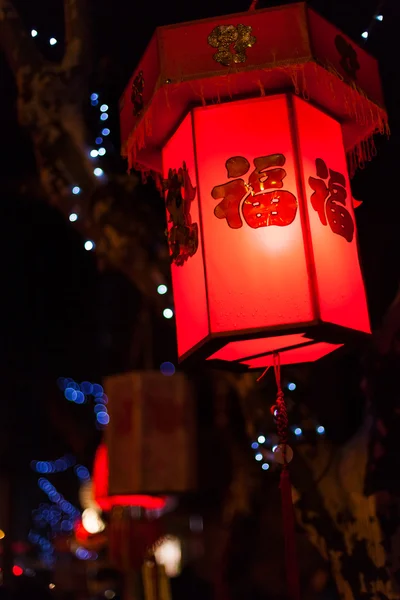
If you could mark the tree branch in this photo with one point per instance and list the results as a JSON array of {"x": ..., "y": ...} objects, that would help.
[
  {"x": 20, "y": 50},
  {"x": 78, "y": 51}
]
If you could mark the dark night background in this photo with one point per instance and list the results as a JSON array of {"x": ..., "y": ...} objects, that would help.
[{"x": 59, "y": 317}]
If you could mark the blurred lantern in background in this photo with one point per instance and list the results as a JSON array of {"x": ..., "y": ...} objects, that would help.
[{"x": 148, "y": 454}]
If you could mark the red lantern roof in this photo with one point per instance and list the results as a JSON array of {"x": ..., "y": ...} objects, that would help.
[{"x": 287, "y": 48}]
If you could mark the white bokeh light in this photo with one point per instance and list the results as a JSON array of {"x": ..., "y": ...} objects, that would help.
[
  {"x": 169, "y": 554},
  {"x": 91, "y": 521},
  {"x": 89, "y": 245}
]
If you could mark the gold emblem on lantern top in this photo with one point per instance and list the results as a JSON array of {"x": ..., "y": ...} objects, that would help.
[{"x": 232, "y": 42}]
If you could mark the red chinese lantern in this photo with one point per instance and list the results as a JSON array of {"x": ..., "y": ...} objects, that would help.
[
  {"x": 100, "y": 488},
  {"x": 261, "y": 225},
  {"x": 249, "y": 119},
  {"x": 129, "y": 538}
]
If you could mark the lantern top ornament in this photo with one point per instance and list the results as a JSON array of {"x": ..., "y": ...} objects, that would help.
[{"x": 282, "y": 49}]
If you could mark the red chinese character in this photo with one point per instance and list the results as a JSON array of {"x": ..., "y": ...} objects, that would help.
[
  {"x": 260, "y": 208},
  {"x": 272, "y": 208},
  {"x": 183, "y": 236},
  {"x": 329, "y": 200},
  {"x": 262, "y": 179}
]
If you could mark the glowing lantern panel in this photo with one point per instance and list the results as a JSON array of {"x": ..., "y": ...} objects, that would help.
[{"x": 262, "y": 232}]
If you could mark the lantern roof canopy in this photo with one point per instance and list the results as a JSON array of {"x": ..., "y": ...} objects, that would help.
[{"x": 256, "y": 53}]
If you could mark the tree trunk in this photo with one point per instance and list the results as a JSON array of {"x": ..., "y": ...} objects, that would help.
[{"x": 51, "y": 98}]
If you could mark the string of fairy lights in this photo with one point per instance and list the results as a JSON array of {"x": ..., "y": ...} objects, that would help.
[
  {"x": 97, "y": 152},
  {"x": 57, "y": 515},
  {"x": 376, "y": 19}
]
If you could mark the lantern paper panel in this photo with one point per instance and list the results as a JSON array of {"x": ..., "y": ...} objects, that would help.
[
  {"x": 276, "y": 267},
  {"x": 339, "y": 281},
  {"x": 255, "y": 260},
  {"x": 150, "y": 437},
  {"x": 190, "y": 303}
]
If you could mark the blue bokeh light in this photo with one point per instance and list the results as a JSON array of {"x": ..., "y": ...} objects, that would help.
[
  {"x": 103, "y": 418},
  {"x": 80, "y": 398},
  {"x": 86, "y": 387},
  {"x": 82, "y": 473},
  {"x": 167, "y": 369},
  {"x": 70, "y": 394},
  {"x": 97, "y": 390}
]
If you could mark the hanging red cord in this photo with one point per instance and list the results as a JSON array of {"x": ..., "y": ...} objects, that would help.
[{"x": 282, "y": 424}]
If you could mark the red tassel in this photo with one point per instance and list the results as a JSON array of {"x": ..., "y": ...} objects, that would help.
[{"x": 292, "y": 570}]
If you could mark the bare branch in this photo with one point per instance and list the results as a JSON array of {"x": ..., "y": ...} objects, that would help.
[
  {"x": 78, "y": 51},
  {"x": 19, "y": 48}
]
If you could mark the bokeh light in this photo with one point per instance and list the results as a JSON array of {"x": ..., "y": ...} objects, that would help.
[
  {"x": 162, "y": 289},
  {"x": 89, "y": 245},
  {"x": 91, "y": 521},
  {"x": 103, "y": 418},
  {"x": 86, "y": 387},
  {"x": 97, "y": 390},
  {"x": 70, "y": 394},
  {"x": 167, "y": 368}
]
